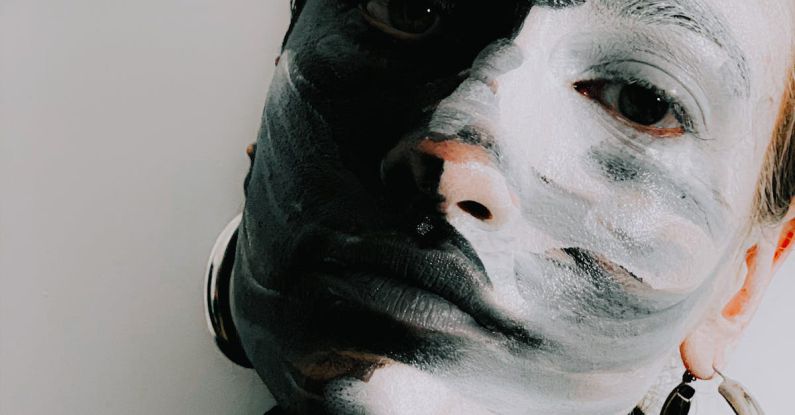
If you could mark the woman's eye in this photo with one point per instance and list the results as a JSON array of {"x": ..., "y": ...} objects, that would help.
[
  {"x": 403, "y": 19},
  {"x": 645, "y": 108}
]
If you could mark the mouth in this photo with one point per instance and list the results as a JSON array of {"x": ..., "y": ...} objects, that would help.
[
  {"x": 406, "y": 304},
  {"x": 439, "y": 289}
]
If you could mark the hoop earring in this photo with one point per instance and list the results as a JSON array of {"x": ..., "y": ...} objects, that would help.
[
  {"x": 741, "y": 402},
  {"x": 738, "y": 397},
  {"x": 217, "y": 309}
]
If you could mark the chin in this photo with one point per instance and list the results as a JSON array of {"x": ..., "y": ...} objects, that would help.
[
  {"x": 396, "y": 388},
  {"x": 401, "y": 389}
]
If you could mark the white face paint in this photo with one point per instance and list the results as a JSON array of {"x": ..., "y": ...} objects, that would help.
[
  {"x": 604, "y": 240},
  {"x": 667, "y": 217}
]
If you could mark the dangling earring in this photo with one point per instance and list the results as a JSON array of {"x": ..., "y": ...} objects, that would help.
[
  {"x": 678, "y": 401},
  {"x": 738, "y": 398}
]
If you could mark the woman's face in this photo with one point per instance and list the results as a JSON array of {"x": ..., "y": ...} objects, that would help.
[{"x": 487, "y": 207}]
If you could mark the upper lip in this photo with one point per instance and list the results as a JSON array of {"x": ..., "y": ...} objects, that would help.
[{"x": 445, "y": 271}]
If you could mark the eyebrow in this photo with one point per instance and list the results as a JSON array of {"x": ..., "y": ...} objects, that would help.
[
  {"x": 695, "y": 17},
  {"x": 692, "y": 15}
]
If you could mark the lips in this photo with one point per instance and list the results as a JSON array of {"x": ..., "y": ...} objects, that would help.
[
  {"x": 409, "y": 283},
  {"x": 413, "y": 307}
]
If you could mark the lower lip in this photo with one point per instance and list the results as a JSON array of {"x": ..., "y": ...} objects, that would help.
[{"x": 409, "y": 305}]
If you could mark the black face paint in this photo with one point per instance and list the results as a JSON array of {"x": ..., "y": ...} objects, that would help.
[{"x": 344, "y": 94}]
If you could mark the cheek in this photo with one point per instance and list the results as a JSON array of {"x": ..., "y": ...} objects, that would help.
[
  {"x": 647, "y": 206},
  {"x": 640, "y": 232}
]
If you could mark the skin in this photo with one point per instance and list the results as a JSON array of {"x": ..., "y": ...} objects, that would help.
[{"x": 451, "y": 225}]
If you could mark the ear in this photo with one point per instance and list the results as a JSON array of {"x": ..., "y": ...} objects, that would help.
[
  {"x": 705, "y": 349},
  {"x": 251, "y": 152}
]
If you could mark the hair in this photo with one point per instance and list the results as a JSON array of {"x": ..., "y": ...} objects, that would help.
[
  {"x": 777, "y": 183},
  {"x": 295, "y": 8}
]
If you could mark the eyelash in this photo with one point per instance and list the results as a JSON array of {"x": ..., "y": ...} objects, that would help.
[
  {"x": 678, "y": 110},
  {"x": 381, "y": 18}
]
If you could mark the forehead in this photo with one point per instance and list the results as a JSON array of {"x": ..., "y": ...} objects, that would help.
[
  {"x": 757, "y": 36},
  {"x": 703, "y": 15}
]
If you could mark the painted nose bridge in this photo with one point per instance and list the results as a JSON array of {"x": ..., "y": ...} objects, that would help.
[
  {"x": 452, "y": 160},
  {"x": 470, "y": 185}
]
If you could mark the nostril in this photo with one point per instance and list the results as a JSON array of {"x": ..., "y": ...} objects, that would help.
[
  {"x": 410, "y": 176},
  {"x": 476, "y": 209}
]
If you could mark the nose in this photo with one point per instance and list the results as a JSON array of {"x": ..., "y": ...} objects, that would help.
[{"x": 462, "y": 176}]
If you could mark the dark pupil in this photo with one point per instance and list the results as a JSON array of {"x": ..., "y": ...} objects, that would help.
[
  {"x": 411, "y": 16},
  {"x": 642, "y": 105}
]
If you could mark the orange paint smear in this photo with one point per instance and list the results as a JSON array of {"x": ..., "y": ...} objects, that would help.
[
  {"x": 743, "y": 297},
  {"x": 785, "y": 244},
  {"x": 455, "y": 151}
]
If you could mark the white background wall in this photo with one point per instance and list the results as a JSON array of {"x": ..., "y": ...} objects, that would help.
[{"x": 122, "y": 130}]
